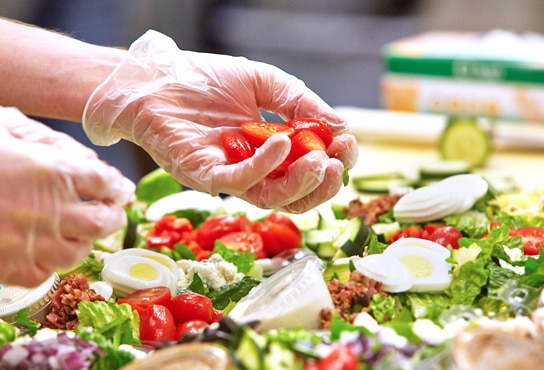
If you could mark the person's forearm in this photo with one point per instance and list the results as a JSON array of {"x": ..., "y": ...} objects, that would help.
[{"x": 47, "y": 74}]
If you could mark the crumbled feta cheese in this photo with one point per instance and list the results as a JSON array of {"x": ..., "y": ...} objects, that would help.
[{"x": 214, "y": 272}]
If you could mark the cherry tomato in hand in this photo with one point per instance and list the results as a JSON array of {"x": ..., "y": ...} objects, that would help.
[
  {"x": 532, "y": 238},
  {"x": 446, "y": 235},
  {"x": 258, "y": 132},
  {"x": 191, "y": 326},
  {"x": 236, "y": 147},
  {"x": 191, "y": 306},
  {"x": 157, "y": 324},
  {"x": 304, "y": 142},
  {"x": 141, "y": 299},
  {"x": 244, "y": 241},
  {"x": 215, "y": 227},
  {"x": 317, "y": 126}
]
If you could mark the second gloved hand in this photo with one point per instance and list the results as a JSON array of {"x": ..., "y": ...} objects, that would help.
[
  {"x": 175, "y": 104},
  {"x": 56, "y": 198}
]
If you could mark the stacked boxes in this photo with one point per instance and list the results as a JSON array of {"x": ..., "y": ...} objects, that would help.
[{"x": 496, "y": 74}]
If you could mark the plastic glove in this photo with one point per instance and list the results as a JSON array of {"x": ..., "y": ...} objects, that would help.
[
  {"x": 175, "y": 104},
  {"x": 56, "y": 198}
]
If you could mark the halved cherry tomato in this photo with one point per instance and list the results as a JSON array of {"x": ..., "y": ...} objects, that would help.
[
  {"x": 191, "y": 326},
  {"x": 191, "y": 306},
  {"x": 278, "y": 234},
  {"x": 157, "y": 324},
  {"x": 236, "y": 147},
  {"x": 258, "y": 132},
  {"x": 143, "y": 298},
  {"x": 244, "y": 241},
  {"x": 169, "y": 230},
  {"x": 215, "y": 227},
  {"x": 304, "y": 142},
  {"x": 446, "y": 235},
  {"x": 317, "y": 126},
  {"x": 532, "y": 238},
  {"x": 341, "y": 358}
]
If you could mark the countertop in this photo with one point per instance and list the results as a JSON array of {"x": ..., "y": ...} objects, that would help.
[{"x": 391, "y": 141}]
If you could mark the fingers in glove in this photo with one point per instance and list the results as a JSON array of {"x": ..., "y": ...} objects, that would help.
[
  {"x": 329, "y": 187},
  {"x": 90, "y": 220},
  {"x": 344, "y": 148},
  {"x": 29, "y": 130},
  {"x": 95, "y": 180},
  {"x": 301, "y": 178}
]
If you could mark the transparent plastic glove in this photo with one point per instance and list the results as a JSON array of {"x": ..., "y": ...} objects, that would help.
[
  {"x": 175, "y": 104},
  {"x": 56, "y": 198}
]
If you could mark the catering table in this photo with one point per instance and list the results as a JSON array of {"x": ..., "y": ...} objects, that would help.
[{"x": 402, "y": 142}]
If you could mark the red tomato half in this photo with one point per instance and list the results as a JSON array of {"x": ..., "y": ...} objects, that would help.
[
  {"x": 215, "y": 227},
  {"x": 341, "y": 358},
  {"x": 258, "y": 132},
  {"x": 278, "y": 234},
  {"x": 142, "y": 299},
  {"x": 317, "y": 126},
  {"x": 304, "y": 142},
  {"x": 244, "y": 241},
  {"x": 446, "y": 235},
  {"x": 532, "y": 238},
  {"x": 192, "y": 326},
  {"x": 236, "y": 147},
  {"x": 157, "y": 324},
  {"x": 191, "y": 306}
]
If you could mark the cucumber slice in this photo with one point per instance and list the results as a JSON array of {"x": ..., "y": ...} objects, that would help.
[
  {"x": 380, "y": 183},
  {"x": 465, "y": 139},
  {"x": 444, "y": 168},
  {"x": 353, "y": 239}
]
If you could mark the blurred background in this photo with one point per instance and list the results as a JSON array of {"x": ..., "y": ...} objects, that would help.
[{"x": 334, "y": 46}]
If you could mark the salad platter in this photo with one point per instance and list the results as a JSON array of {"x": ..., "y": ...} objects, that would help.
[{"x": 446, "y": 274}]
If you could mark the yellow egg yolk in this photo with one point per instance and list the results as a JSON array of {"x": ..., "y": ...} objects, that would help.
[
  {"x": 143, "y": 271},
  {"x": 418, "y": 266},
  {"x": 160, "y": 260}
]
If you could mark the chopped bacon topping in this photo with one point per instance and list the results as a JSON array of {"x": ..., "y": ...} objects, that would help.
[
  {"x": 350, "y": 298},
  {"x": 72, "y": 290},
  {"x": 371, "y": 210}
]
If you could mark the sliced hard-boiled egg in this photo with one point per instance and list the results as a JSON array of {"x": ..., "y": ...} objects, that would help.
[
  {"x": 428, "y": 269},
  {"x": 471, "y": 186},
  {"x": 455, "y": 194},
  {"x": 164, "y": 260},
  {"x": 132, "y": 273},
  {"x": 134, "y": 269},
  {"x": 418, "y": 242},
  {"x": 187, "y": 199},
  {"x": 393, "y": 275}
]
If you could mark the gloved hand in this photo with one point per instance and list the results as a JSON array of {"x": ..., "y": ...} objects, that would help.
[
  {"x": 175, "y": 104},
  {"x": 56, "y": 198}
]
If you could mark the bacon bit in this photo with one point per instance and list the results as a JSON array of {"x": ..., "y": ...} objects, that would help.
[
  {"x": 370, "y": 211},
  {"x": 350, "y": 298},
  {"x": 72, "y": 290}
]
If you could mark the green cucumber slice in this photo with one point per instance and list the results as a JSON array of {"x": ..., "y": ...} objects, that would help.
[
  {"x": 443, "y": 168},
  {"x": 465, "y": 139},
  {"x": 380, "y": 183}
]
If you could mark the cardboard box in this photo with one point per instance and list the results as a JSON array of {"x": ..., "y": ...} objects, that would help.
[{"x": 496, "y": 74}]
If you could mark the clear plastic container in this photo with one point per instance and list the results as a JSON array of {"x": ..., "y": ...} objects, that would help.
[
  {"x": 15, "y": 298},
  {"x": 292, "y": 297}
]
